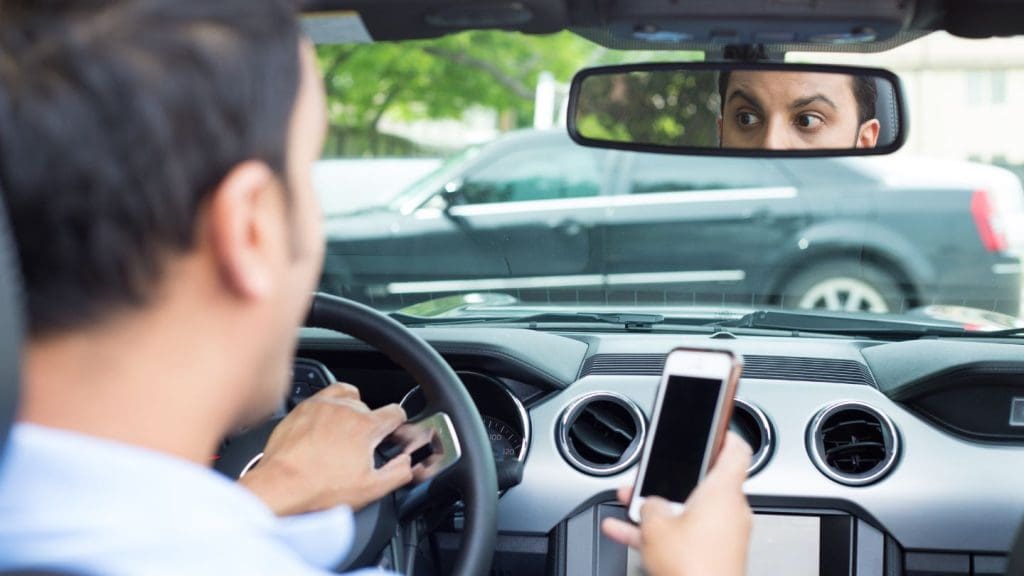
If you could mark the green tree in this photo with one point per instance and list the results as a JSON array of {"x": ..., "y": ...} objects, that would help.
[
  {"x": 437, "y": 79},
  {"x": 666, "y": 108}
]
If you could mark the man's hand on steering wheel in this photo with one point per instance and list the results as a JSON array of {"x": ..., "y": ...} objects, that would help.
[{"x": 322, "y": 455}]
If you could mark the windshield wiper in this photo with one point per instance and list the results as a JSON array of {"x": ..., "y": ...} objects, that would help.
[
  {"x": 794, "y": 322},
  {"x": 842, "y": 324},
  {"x": 1006, "y": 333},
  {"x": 629, "y": 321}
]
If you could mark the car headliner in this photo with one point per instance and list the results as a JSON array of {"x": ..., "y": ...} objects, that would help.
[{"x": 750, "y": 21}]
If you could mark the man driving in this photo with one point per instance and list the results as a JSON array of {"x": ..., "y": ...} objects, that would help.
[
  {"x": 155, "y": 159},
  {"x": 796, "y": 110}
]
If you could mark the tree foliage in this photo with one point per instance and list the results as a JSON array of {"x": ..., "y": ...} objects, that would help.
[
  {"x": 441, "y": 78},
  {"x": 666, "y": 108}
]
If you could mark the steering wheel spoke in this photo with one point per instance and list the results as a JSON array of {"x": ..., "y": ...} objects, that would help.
[
  {"x": 459, "y": 462},
  {"x": 432, "y": 443}
]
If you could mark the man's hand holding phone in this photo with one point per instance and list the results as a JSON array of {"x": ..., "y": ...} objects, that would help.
[
  {"x": 691, "y": 416},
  {"x": 710, "y": 537}
]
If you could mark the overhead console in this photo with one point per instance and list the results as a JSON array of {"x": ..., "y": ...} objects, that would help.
[
  {"x": 780, "y": 27},
  {"x": 971, "y": 389}
]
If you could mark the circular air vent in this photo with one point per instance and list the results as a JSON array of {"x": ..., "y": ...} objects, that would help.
[
  {"x": 601, "y": 433},
  {"x": 852, "y": 443},
  {"x": 753, "y": 426}
]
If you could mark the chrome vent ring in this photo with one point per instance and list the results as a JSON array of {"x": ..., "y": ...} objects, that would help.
[
  {"x": 754, "y": 427},
  {"x": 601, "y": 433},
  {"x": 853, "y": 443}
]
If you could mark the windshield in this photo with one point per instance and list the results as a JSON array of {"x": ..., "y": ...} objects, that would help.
[{"x": 482, "y": 203}]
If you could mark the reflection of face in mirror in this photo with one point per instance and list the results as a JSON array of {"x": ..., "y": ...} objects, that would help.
[{"x": 794, "y": 110}]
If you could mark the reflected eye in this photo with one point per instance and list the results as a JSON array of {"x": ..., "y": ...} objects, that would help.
[
  {"x": 809, "y": 121},
  {"x": 747, "y": 119}
]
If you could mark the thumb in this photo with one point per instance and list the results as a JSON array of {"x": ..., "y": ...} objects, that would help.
[
  {"x": 655, "y": 509},
  {"x": 656, "y": 516},
  {"x": 730, "y": 469}
]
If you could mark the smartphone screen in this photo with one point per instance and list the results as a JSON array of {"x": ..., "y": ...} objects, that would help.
[{"x": 681, "y": 439}]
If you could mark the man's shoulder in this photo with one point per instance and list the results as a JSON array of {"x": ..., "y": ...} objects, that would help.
[
  {"x": 90, "y": 506},
  {"x": 150, "y": 554}
]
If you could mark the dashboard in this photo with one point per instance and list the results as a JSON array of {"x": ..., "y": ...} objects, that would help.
[
  {"x": 870, "y": 457},
  {"x": 504, "y": 416}
]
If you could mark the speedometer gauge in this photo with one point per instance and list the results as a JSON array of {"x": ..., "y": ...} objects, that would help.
[
  {"x": 503, "y": 415},
  {"x": 506, "y": 443}
]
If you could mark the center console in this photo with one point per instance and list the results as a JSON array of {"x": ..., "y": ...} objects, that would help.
[
  {"x": 791, "y": 542},
  {"x": 784, "y": 541}
]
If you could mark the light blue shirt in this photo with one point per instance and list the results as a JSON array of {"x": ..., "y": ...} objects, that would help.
[{"x": 85, "y": 505}]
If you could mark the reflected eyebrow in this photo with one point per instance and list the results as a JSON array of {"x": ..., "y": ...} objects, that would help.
[
  {"x": 800, "y": 103},
  {"x": 750, "y": 99}
]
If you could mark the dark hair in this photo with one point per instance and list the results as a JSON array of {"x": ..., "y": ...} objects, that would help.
[
  {"x": 864, "y": 91},
  {"x": 117, "y": 122}
]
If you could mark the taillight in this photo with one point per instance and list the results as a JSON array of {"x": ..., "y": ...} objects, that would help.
[{"x": 987, "y": 220}]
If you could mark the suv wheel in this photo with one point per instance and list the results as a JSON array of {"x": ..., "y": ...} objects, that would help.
[{"x": 843, "y": 285}]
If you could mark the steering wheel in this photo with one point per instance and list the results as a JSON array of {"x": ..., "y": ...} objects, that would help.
[{"x": 473, "y": 475}]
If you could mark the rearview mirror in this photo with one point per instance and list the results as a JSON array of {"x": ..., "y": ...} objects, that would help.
[{"x": 738, "y": 109}]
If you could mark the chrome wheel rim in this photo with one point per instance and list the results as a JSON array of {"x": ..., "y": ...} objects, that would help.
[{"x": 843, "y": 294}]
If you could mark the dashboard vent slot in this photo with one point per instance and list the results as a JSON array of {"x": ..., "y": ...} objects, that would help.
[
  {"x": 624, "y": 365},
  {"x": 601, "y": 433},
  {"x": 853, "y": 443},
  {"x": 756, "y": 367}
]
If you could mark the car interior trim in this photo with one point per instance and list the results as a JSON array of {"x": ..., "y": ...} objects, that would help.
[
  {"x": 524, "y": 420},
  {"x": 901, "y": 367},
  {"x": 764, "y": 452},
  {"x": 756, "y": 367}
]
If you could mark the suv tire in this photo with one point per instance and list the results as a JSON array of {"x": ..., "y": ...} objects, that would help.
[{"x": 843, "y": 285}]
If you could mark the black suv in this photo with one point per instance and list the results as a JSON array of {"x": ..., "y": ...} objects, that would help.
[{"x": 538, "y": 217}]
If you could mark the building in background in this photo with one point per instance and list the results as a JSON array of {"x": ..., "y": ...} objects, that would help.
[{"x": 976, "y": 88}]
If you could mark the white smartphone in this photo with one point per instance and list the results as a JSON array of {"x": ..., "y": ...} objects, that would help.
[{"x": 690, "y": 420}]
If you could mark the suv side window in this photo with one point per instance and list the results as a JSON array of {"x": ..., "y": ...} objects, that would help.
[
  {"x": 545, "y": 173},
  {"x": 652, "y": 173}
]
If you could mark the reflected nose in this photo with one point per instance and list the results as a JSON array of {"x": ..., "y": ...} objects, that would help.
[{"x": 775, "y": 136}]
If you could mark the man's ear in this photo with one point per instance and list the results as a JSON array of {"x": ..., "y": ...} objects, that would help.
[
  {"x": 241, "y": 225},
  {"x": 868, "y": 135}
]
